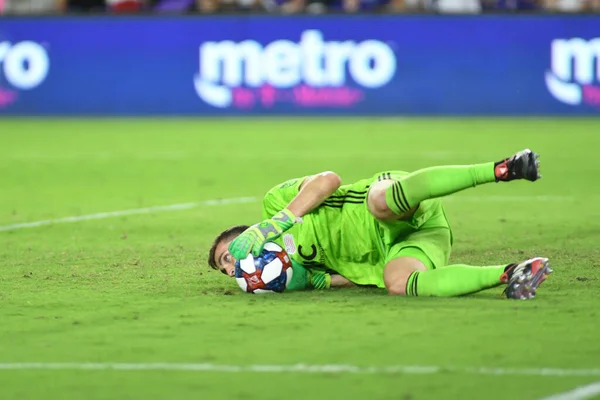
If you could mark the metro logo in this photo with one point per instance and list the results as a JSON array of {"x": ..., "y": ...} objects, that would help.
[
  {"x": 283, "y": 64},
  {"x": 24, "y": 66},
  {"x": 575, "y": 71}
]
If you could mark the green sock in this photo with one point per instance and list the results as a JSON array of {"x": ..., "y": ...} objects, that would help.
[
  {"x": 453, "y": 280},
  {"x": 433, "y": 182}
]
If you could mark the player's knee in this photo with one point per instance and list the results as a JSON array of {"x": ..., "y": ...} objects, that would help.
[
  {"x": 397, "y": 273},
  {"x": 378, "y": 206},
  {"x": 395, "y": 279},
  {"x": 396, "y": 288},
  {"x": 376, "y": 201}
]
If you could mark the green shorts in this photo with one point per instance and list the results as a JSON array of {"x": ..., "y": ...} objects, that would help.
[
  {"x": 362, "y": 258},
  {"x": 427, "y": 237}
]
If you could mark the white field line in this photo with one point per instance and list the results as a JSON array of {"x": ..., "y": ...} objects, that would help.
[
  {"x": 147, "y": 210},
  {"x": 301, "y": 368},
  {"x": 579, "y": 393},
  {"x": 239, "y": 200}
]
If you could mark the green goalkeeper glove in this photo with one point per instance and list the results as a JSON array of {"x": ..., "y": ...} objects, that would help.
[{"x": 254, "y": 238}]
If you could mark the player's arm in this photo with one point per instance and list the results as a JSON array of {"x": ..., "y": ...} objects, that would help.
[
  {"x": 313, "y": 191},
  {"x": 340, "y": 281}
]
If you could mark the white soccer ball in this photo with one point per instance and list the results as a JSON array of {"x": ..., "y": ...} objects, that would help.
[{"x": 270, "y": 272}]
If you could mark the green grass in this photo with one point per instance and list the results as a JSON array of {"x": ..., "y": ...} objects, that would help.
[{"x": 137, "y": 289}]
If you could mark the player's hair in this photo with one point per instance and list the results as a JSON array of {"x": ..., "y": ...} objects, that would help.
[{"x": 225, "y": 235}]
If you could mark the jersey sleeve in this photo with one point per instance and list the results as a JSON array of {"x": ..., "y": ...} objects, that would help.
[{"x": 278, "y": 197}]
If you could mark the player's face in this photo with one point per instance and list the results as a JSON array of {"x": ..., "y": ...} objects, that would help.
[{"x": 224, "y": 259}]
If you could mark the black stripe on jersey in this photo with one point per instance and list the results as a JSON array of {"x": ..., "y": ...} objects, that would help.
[
  {"x": 357, "y": 192},
  {"x": 332, "y": 205},
  {"x": 339, "y": 205},
  {"x": 340, "y": 202},
  {"x": 341, "y": 198},
  {"x": 346, "y": 197},
  {"x": 350, "y": 197}
]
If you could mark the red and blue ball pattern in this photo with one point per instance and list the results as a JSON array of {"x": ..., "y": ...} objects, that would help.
[{"x": 270, "y": 272}]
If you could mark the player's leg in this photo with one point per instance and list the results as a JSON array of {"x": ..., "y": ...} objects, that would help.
[
  {"x": 409, "y": 276},
  {"x": 398, "y": 271},
  {"x": 412, "y": 273},
  {"x": 398, "y": 198},
  {"x": 417, "y": 266}
]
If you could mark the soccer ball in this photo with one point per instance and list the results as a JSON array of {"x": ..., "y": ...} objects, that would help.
[{"x": 270, "y": 272}]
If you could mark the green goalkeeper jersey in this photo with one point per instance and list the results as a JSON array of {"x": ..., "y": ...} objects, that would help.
[{"x": 340, "y": 235}]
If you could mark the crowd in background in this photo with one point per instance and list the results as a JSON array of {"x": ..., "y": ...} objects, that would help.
[{"x": 36, "y": 7}]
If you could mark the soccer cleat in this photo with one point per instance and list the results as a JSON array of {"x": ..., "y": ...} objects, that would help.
[
  {"x": 523, "y": 165},
  {"x": 523, "y": 279}
]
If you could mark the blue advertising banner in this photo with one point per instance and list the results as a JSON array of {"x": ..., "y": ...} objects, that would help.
[{"x": 326, "y": 65}]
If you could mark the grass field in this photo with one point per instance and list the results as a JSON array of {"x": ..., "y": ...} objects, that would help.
[{"x": 136, "y": 288}]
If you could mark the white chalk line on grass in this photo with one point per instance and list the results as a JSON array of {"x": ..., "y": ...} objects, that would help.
[
  {"x": 301, "y": 368},
  {"x": 146, "y": 210},
  {"x": 240, "y": 200},
  {"x": 579, "y": 393}
]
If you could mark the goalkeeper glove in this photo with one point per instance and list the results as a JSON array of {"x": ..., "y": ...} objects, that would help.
[{"x": 254, "y": 238}]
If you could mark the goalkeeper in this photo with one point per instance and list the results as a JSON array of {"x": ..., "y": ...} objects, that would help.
[{"x": 388, "y": 231}]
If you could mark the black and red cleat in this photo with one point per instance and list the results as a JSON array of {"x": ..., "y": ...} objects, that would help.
[
  {"x": 523, "y": 279},
  {"x": 523, "y": 165}
]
